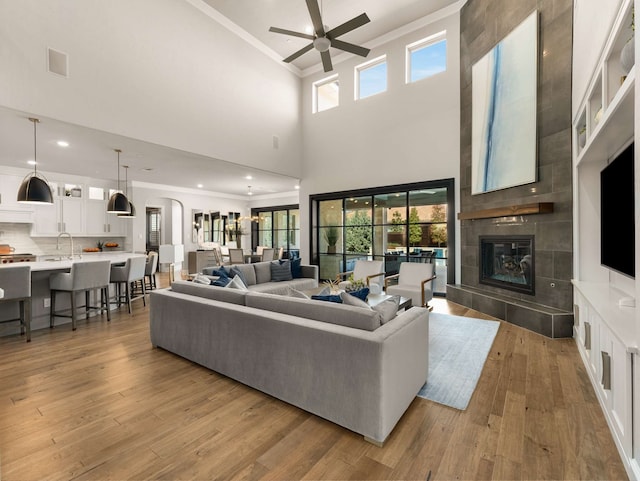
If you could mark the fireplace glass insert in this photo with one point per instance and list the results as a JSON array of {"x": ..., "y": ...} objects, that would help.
[{"x": 507, "y": 262}]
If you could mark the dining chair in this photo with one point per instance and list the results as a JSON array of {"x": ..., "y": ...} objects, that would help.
[
  {"x": 236, "y": 256},
  {"x": 83, "y": 278},
  {"x": 267, "y": 254}
]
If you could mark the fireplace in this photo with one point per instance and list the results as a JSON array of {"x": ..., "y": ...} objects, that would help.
[{"x": 508, "y": 262}]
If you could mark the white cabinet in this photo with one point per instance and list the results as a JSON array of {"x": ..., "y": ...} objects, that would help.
[
  {"x": 100, "y": 223},
  {"x": 603, "y": 330},
  {"x": 10, "y": 210},
  {"x": 65, "y": 215}
]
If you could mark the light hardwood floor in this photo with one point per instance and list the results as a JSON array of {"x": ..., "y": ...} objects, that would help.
[{"x": 101, "y": 403}]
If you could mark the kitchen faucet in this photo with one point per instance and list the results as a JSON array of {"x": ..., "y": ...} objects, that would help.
[{"x": 70, "y": 243}]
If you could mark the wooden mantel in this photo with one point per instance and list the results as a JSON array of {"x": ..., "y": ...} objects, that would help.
[{"x": 522, "y": 209}]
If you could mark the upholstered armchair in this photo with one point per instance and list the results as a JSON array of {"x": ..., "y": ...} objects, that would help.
[
  {"x": 414, "y": 280},
  {"x": 369, "y": 272}
]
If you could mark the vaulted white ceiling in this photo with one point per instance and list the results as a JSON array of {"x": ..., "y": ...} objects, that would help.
[
  {"x": 91, "y": 154},
  {"x": 255, "y": 17}
]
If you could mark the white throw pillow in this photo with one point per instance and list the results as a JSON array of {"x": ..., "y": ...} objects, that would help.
[
  {"x": 201, "y": 279},
  {"x": 236, "y": 283}
]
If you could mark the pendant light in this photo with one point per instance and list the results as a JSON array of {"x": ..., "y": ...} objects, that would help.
[
  {"x": 35, "y": 188},
  {"x": 118, "y": 203},
  {"x": 132, "y": 209}
]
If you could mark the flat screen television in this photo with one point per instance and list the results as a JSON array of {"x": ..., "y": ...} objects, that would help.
[{"x": 617, "y": 214}]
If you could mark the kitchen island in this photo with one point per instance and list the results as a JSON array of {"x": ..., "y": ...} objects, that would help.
[{"x": 41, "y": 269}]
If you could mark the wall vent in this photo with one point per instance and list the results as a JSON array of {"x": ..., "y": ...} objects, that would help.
[{"x": 57, "y": 62}]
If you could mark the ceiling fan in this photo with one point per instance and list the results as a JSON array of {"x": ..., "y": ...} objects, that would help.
[{"x": 322, "y": 40}]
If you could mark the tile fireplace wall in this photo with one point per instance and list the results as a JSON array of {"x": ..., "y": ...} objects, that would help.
[{"x": 483, "y": 23}]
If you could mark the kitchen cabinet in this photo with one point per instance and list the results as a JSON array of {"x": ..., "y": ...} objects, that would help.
[
  {"x": 100, "y": 223},
  {"x": 10, "y": 210},
  {"x": 65, "y": 215}
]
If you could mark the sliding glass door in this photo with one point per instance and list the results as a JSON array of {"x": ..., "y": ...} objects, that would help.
[{"x": 404, "y": 223}]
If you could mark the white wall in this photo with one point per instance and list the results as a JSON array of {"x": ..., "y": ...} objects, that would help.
[
  {"x": 410, "y": 133},
  {"x": 156, "y": 70},
  {"x": 592, "y": 21},
  {"x": 149, "y": 195}
]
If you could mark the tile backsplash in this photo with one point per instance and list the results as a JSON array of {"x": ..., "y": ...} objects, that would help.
[{"x": 19, "y": 237}]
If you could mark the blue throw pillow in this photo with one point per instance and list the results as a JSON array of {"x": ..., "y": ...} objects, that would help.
[
  {"x": 281, "y": 271},
  {"x": 221, "y": 281},
  {"x": 234, "y": 271},
  {"x": 220, "y": 272},
  {"x": 361, "y": 293},
  {"x": 296, "y": 268},
  {"x": 329, "y": 298}
]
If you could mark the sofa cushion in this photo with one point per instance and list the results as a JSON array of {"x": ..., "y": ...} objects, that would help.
[
  {"x": 296, "y": 293},
  {"x": 248, "y": 272},
  {"x": 281, "y": 271},
  {"x": 221, "y": 281},
  {"x": 329, "y": 312},
  {"x": 327, "y": 297},
  {"x": 236, "y": 283},
  {"x": 234, "y": 271},
  {"x": 386, "y": 309},
  {"x": 296, "y": 267},
  {"x": 351, "y": 300},
  {"x": 201, "y": 279},
  {"x": 232, "y": 296},
  {"x": 263, "y": 272}
]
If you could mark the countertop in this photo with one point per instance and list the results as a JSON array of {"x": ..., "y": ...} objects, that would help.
[{"x": 50, "y": 263}]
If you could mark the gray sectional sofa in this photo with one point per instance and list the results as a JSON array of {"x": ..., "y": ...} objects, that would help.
[
  {"x": 258, "y": 277},
  {"x": 300, "y": 351}
]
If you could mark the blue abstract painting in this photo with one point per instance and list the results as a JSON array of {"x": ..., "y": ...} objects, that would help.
[{"x": 503, "y": 123}]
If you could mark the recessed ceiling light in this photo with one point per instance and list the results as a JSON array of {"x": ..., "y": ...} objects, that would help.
[
  {"x": 63, "y": 143},
  {"x": 148, "y": 169},
  {"x": 200, "y": 186},
  {"x": 248, "y": 177},
  {"x": 31, "y": 162},
  {"x": 297, "y": 187},
  {"x": 309, "y": 29}
]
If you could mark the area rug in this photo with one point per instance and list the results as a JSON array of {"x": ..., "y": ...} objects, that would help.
[{"x": 458, "y": 349}]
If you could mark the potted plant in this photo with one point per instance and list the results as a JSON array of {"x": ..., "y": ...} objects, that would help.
[{"x": 331, "y": 236}]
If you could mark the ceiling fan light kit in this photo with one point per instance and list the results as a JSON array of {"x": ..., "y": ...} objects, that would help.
[
  {"x": 322, "y": 40},
  {"x": 34, "y": 188}
]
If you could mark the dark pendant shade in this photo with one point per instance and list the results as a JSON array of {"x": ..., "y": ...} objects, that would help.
[
  {"x": 131, "y": 214},
  {"x": 34, "y": 190},
  {"x": 118, "y": 204}
]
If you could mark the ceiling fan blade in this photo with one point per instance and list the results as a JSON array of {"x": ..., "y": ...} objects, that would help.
[
  {"x": 298, "y": 53},
  {"x": 316, "y": 18},
  {"x": 326, "y": 61},
  {"x": 349, "y": 47},
  {"x": 352, "y": 24},
  {"x": 291, "y": 32}
]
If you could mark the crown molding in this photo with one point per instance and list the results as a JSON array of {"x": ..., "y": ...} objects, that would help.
[
  {"x": 388, "y": 37},
  {"x": 214, "y": 14}
]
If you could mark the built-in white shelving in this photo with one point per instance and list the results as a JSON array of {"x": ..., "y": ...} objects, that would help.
[{"x": 606, "y": 332}]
